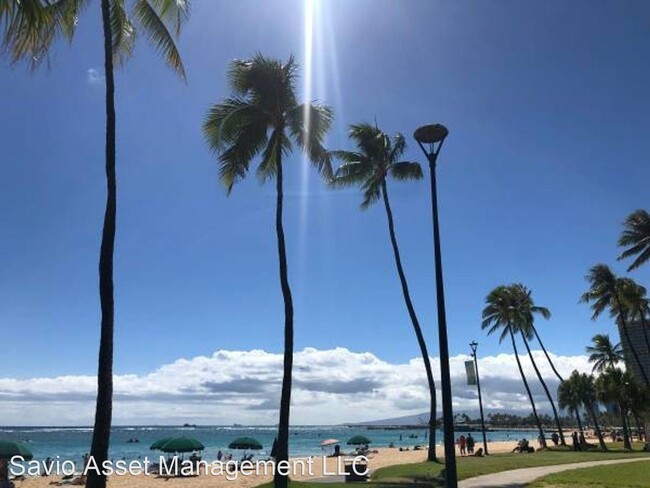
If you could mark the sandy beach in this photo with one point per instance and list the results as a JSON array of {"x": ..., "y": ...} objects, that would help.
[{"x": 381, "y": 458}]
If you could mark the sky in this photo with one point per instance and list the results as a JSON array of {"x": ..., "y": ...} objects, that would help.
[{"x": 546, "y": 105}]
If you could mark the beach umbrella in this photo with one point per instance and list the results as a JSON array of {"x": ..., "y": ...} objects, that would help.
[
  {"x": 329, "y": 442},
  {"x": 9, "y": 449},
  {"x": 160, "y": 442},
  {"x": 182, "y": 444},
  {"x": 358, "y": 440},
  {"x": 245, "y": 443}
]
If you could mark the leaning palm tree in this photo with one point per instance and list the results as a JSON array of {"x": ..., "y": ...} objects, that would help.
[
  {"x": 636, "y": 238},
  {"x": 635, "y": 301},
  {"x": 377, "y": 157},
  {"x": 605, "y": 292},
  {"x": 526, "y": 311},
  {"x": 502, "y": 315},
  {"x": 611, "y": 387},
  {"x": 30, "y": 28},
  {"x": 604, "y": 354},
  {"x": 262, "y": 118}
]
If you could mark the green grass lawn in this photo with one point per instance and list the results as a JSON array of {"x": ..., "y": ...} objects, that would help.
[
  {"x": 426, "y": 474},
  {"x": 630, "y": 475},
  {"x": 468, "y": 467}
]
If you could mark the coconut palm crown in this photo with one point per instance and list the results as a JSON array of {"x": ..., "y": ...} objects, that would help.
[
  {"x": 377, "y": 157},
  {"x": 635, "y": 238}
]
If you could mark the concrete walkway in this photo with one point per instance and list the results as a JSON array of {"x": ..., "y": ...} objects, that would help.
[{"x": 518, "y": 478}]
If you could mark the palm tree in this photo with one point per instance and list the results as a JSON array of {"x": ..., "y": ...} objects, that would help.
[
  {"x": 611, "y": 387},
  {"x": 605, "y": 293},
  {"x": 31, "y": 26},
  {"x": 635, "y": 301},
  {"x": 526, "y": 310},
  {"x": 501, "y": 314},
  {"x": 579, "y": 391},
  {"x": 378, "y": 157},
  {"x": 603, "y": 353},
  {"x": 636, "y": 238},
  {"x": 587, "y": 391},
  {"x": 569, "y": 398},
  {"x": 262, "y": 118}
]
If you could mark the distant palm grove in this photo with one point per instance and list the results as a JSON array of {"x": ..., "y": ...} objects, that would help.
[{"x": 259, "y": 124}]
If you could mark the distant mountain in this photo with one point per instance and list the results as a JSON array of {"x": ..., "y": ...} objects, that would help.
[{"x": 422, "y": 418}]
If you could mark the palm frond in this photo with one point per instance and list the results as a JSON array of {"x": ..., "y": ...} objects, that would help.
[
  {"x": 636, "y": 237},
  {"x": 124, "y": 34},
  {"x": 31, "y": 26},
  {"x": 235, "y": 160},
  {"x": 309, "y": 124},
  {"x": 348, "y": 174},
  {"x": 371, "y": 192},
  {"x": 406, "y": 170},
  {"x": 173, "y": 12},
  {"x": 398, "y": 147},
  {"x": 224, "y": 121},
  {"x": 278, "y": 144},
  {"x": 158, "y": 35}
]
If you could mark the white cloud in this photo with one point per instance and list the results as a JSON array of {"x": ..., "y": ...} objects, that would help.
[
  {"x": 93, "y": 77},
  {"x": 330, "y": 386}
]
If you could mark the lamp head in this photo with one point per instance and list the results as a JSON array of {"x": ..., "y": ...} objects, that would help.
[{"x": 430, "y": 134}]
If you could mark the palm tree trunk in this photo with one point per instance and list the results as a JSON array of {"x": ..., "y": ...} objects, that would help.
[
  {"x": 582, "y": 431},
  {"x": 546, "y": 354},
  {"x": 599, "y": 434},
  {"x": 623, "y": 324},
  {"x": 104, "y": 406},
  {"x": 548, "y": 394},
  {"x": 626, "y": 433},
  {"x": 281, "y": 480},
  {"x": 416, "y": 326},
  {"x": 530, "y": 395}
]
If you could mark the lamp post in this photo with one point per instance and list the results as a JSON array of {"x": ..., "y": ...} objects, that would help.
[
  {"x": 474, "y": 345},
  {"x": 434, "y": 136}
]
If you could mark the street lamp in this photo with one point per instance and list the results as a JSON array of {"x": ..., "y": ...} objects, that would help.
[
  {"x": 430, "y": 139},
  {"x": 474, "y": 345}
]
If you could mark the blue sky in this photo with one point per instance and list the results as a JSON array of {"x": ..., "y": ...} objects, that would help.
[{"x": 547, "y": 110}]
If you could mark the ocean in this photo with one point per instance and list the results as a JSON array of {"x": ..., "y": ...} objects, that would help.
[{"x": 73, "y": 442}]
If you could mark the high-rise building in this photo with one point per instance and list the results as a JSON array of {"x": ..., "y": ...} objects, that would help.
[{"x": 637, "y": 338}]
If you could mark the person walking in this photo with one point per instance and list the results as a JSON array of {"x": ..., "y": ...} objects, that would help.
[{"x": 470, "y": 444}]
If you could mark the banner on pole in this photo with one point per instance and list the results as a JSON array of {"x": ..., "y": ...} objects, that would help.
[{"x": 471, "y": 372}]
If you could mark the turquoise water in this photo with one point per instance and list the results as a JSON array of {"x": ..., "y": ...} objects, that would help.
[{"x": 72, "y": 442}]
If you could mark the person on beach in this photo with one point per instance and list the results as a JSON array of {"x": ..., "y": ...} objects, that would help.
[
  {"x": 574, "y": 441},
  {"x": 470, "y": 444},
  {"x": 462, "y": 443}
]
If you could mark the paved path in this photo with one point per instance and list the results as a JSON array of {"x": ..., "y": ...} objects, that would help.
[{"x": 518, "y": 478}]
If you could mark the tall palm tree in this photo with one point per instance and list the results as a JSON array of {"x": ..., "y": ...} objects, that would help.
[
  {"x": 636, "y": 238},
  {"x": 262, "y": 118},
  {"x": 377, "y": 157},
  {"x": 635, "y": 301},
  {"x": 526, "y": 310},
  {"x": 587, "y": 391},
  {"x": 611, "y": 387},
  {"x": 31, "y": 26},
  {"x": 502, "y": 314},
  {"x": 569, "y": 398},
  {"x": 605, "y": 293},
  {"x": 604, "y": 354}
]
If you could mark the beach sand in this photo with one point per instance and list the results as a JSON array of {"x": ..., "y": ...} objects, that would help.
[{"x": 383, "y": 457}]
